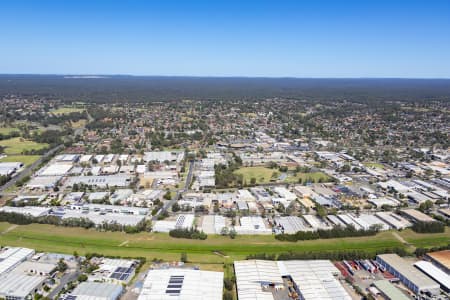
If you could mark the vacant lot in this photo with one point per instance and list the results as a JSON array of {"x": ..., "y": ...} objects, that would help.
[
  {"x": 261, "y": 174},
  {"x": 159, "y": 245},
  {"x": 264, "y": 175},
  {"x": 8, "y": 130},
  {"x": 18, "y": 145},
  {"x": 66, "y": 110},
  {"x": 25, "y": 159}
]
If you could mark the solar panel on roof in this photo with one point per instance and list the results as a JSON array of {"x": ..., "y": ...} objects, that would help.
[
  {"x": 115, "y": 275},
  {"x": 123, "y": 276}
]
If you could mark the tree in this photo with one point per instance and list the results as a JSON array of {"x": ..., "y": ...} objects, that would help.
[
  {"x": 175, "y": 207},
  {"x": 82, "y": 277},
  {"x": 183, "y": 257},
  {"x": 426, "y": 206},
  {"x": 62, "y": 266},
  {"x": 224, "y": 231},
  {"x": 227, "y": 295},
  {"x": 233, "y": 233}
]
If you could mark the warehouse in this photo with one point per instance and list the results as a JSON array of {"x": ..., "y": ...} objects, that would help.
[
  {"x": 412, "y": 278},
  {"x": 213, "y": 224},
  {"x": 9, "y": 168},
  {"x": 55, "y": 170},
  {"x": 121, "y": 180},
  {"x": 43, "y": 182},
  {"x": 416, "y": 215},
  {"x": 99, "y": 218},
  {"x": 336, "y": 221},
  {"x": 348, "y": 220},
  {"x": 20, "y": 287},
  {"x": 182, "y": 284},
  {"x": 290, "y": 224},
  {"x": 12, "y": 257},
  {"x": 183, "y": 221},
  {"x": 394, "y": 220},
  {"x": 97, "y": 291},
  {"x": 441, "y": 259},
  {"x": 305, "y": 279},
  {"x": 35, "y": 268},
  {"x": 369, "y": 221},
  {"x": 315, "y": 222},
  {"x": 252, "y": 225},
  {"x": 118, "y": 271},
  {"x": 32, "y": 211},
  {"x": 435, "y": 273},
  {"x": 389, "y": 291}
]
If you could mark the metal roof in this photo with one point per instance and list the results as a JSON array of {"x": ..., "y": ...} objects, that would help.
[
  {"x": 97, "y": 291},
  {"x": 388, "y": 289},
  {"x": 434, "y": 272},
  {"x": 18, "y": 285}
]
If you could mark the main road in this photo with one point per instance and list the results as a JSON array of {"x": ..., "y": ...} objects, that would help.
[
  {"x": 28, "y": 170},
  {"x": 169, "y": 204}
]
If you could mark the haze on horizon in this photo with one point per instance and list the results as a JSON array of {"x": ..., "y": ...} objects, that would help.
[{"x": 345, "y": 39}]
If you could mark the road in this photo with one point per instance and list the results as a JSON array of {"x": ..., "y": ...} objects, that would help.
[
  {"x": 169, "y": 204},
  {"x": 65, "y": 279},
  {"x": 28, "y": 170}
]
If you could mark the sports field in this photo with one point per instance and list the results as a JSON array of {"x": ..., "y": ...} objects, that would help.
[
  {"x": 159, "y": 245},
  {"x": 25, "y": 159},
  {"x": 17, "y": 145},
  {"x": 264, "y": 175},
  {"x": 66, "y": 110}
]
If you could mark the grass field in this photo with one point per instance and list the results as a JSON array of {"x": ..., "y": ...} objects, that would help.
[
  {"x": 17, "y": 145},
  {"x": 311, "y": 177},
  {"x": 25, "y": 159},
  {"x": 66, "y": 110},
  {"x": 8, "y": 130},
  {"x": 79, "y": 123},
  {"x": 159, "y": 245},
  {"x": 264, "y": 175},
  {"x": 373, "y": 165}
]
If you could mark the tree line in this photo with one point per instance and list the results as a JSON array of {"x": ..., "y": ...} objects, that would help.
[{"x": 336, "y": 232}]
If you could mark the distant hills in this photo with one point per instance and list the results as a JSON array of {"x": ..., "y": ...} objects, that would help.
[{"x": 119, "y": 88}]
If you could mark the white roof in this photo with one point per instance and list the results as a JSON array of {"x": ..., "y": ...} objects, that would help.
[
  {"x": 55, "y": 170},
  {"x": 434, "y": 272},
  {"x": 97, "y": 291},
  {"x": 11, "y": 257},
  {"x": 315, "y": 279},
  {"x": 18, "y": 285},
  {"x": 183, "y": 284},
  {"x": 251, "y": 275},
  {"x": 34, "y": 211}
]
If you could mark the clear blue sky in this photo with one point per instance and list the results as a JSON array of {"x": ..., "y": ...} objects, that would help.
[{"x": 315, "y": 38}]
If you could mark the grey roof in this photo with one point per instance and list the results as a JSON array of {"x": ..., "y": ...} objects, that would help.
[
  {"x": 407, "y": 270},
  {"x": 98, "y": 290},
  {"x": 18, "y": 285},
  {"x": 390, "y": 290}
]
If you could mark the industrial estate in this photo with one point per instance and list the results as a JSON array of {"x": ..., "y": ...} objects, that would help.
[{"x": 189, "y": 199}]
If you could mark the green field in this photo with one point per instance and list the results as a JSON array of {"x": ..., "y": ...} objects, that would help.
[
  {"x": 311, "y": 177},
  {"x": 25, "y": 159},
  {"x": 373, "y": 165},
  {"x": 159, "y": 245},
  {"x": 66, "y": 110},
  {"x": 8, "y": 130},
  {"x": 264, "y": 175},
  {"x": 17, "y": 145}
]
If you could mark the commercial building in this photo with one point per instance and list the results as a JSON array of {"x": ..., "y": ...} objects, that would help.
[
  {"x": 43, "y": 182},
  {"x": 417, "y": 216},
  {"x": 290, "y": 224},
  {"x": 441, "y": 259},
  {"x": 19, "y": 287},
  {"x": 182, "y": 284},
  {"x": 389, "y": 291},
  {"x": 411, "y": 277},
  {"x": 55, "y": 170},
  {"x": 32, "y": 211},
  {"x": 12, "y": 257},
  {"x": 394, "y": 220},
  {"x": 9, "y": 168},
  {"x": 252, "y": 225},
  {"x": 434, "y": 272},
  {"x": 105, "y": 181},
  {"x": 303, "y": 279},
  {"x": 96, "y": 291}
]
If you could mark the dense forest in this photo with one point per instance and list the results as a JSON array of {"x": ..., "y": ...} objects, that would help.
[{"x": 141, "y": 88}]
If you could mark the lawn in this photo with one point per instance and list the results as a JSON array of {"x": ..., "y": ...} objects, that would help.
[
  {"x": 79, "y": 123},
  {"x": 310, "y": 177},
  {"x": 373, "y": 165},
  {"x": 66, "y": 110},
  {"x": 8, "y": 130},
  {"x": 427, "y": 240},
  {"x": 25, "y": 159},
  {"x": 159, "y": 245},
  {"x": 262, "y": 174},
  {"x": 17, "y": 145}
]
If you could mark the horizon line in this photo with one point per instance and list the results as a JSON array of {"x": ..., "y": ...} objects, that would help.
[{"x": 103, "y": 76}]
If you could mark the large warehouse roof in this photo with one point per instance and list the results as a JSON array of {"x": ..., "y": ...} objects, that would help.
[
  {"x": 441, "y": 257},
  {"x": 260, "y": 279},
  {"x": 97, "y": 291},
  {"x": 18, "y": 285},
  {"x": 11, "y": 257},
  {"x": 407, "y": 270},
  {"x": 434, "y": 272},
  {"x": 182, "y": 284}
]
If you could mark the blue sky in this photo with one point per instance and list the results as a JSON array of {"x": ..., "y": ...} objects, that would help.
[{"x": 364, "y": 38}]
